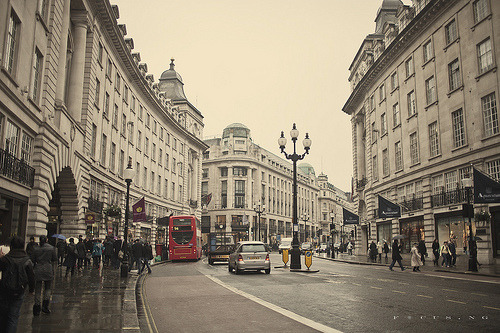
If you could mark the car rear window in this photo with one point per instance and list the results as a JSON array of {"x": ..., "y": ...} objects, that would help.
[{"x": 253, "y": 248}]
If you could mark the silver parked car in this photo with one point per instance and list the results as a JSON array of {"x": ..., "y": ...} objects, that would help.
[{"x": 250, "y": 255}]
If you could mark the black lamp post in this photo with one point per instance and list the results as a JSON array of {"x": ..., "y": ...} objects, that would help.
[
  {"x": 294, "y": 133},
  {"x": 259, "y": 209},
  {"x": 128, "y": 174},
  {"x": 332, "y": 215},
  {"x": 468, "y": 183},
  {"x": 305, "y": 218}
]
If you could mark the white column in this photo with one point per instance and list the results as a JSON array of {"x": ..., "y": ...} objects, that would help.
[
  {"x": 75, "y": 92},
  {"x": 63, "y": 49},
  {"x": 360, "y": 149}
]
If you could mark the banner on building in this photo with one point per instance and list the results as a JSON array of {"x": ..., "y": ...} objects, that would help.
[
  {"x": 388, "y": 209},
  {"x": 486, "y": 189},
  {"x": 90, "y": 218},
  {"x": 206, "y": 198},
  {"x": 139, "y": 211},
  {"x": 349, "y": 218}
]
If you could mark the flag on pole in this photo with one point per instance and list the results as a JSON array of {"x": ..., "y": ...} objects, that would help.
[
  {"x": 486, "y": 189},
  {"x": 388, "y": 209},
  {"x": 139, "y": 211},
  {"x": 349, "y": 218}
]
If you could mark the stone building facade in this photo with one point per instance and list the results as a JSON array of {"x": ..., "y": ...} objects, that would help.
[
  {"x": 239, "y": 174},
  {"x": 76, "y": 105},
  {"x": 423, "y": 104}
]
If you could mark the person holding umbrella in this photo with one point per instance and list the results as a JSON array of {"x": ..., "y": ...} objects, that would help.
[{"x": 396, "y": 256}]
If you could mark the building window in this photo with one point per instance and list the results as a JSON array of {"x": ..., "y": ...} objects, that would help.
[
  {"x": 166, "y": 189},
  {"x": 104, "y": 144},
  {"x": 409, "y": 67},
  {"x": 153, "y": 152},
  {"x": 118, "y": 82},
  {"x": 454, "y": 75},
  {"x": 124, "y": 124},
  {"x": 174, "y": 163},
  {"x": 383, "y": 124},
  {"x": 132, "y": 104},
  {"x": 412, "y": 108},
  {"x": 427, "y": 49},
  {"x": 484, "y": 56},
  {"x": 457, "y": 118},
  {"x": 414, "y": 151},
  {"x": 204, "y": 173},
  {"x": 155, "y": 124},
  {"x": 115, "y": 117},
  {"x": 374, "y": 132},
  {"x": 145, "y": 178},
  {"x": 106, "y": 106},
  {"x": 109, "y": 69},
  {"x": 206, "y": 155},
  {"x": 430, "y": 90},
  {"x": 223, "y": 172},
  {"x": 146, "y": 145},
  {"x": 375, "y": 168},
  {"x": 437, "y": 184},
  {"x": 12, "y": 41},
  {"x": 490, "y": 114},
  {"x": 26, "y": 146},
  {"x": 159, "y": 185},
  {"x": 125, "y": 94},
  {"x": 100, "y": 52},
  {"x": 160, "y": 156},
  {"x": 450, "y": 181},
  {"x": 493, "y": 169},
  {"x": 398, "y": 154},
  {"x": 37, "y": 72},
  {"x": 451, "y": 32},
  {"x": 381, "y": 92},
  {"x": 394, "y": 80},
  {"x": 480, "y": 10},
  {"x": 174, "y": 144},
  {"x": 372, "y": 102},
  {"x": 152, "y": 185},
  {"x": 121, "y": 163},
  {"x": 161, "y": 133},
  {"x": 223, "y": 194},
  {"x": 141, "y": 112},
  {"x": 239, "y": 194},
  {"x": 396, "y": 115},
  {"x": 94, "y": 141},
  {"x": 166, "y": 160},
  {"x": 239, "y": 171},
  {"x": 112, "y": 162},
  {"x": 148, "y": 119},
  {"x": 97, "y": 92},
  {"x": 139, "y": 139},
  {"x": 385, "y": 162},
  {"x": 433, "y": 139},
  {"x": 12, "y": 138}
]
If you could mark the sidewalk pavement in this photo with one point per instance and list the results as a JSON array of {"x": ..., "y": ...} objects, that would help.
[
  {"x": 460, "y": 267},
  {"x": 91, "y": 300}
]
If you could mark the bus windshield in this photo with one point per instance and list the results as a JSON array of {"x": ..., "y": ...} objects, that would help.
[
  {"x": 182, "y": 222},
  {"x": 182, "y": 237}
]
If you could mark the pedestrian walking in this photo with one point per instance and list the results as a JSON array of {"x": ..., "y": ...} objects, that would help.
[
  {"x": 30, "y": 247},
  {"x": 373, "y": 252},
  {"x": 108, "y": 251},
  {"x": 379, "y": 251},
  {"x": 137, "y": 255},
  {"x": 453, "y": 253},
  {"x": 97, "y": 253},
  {"x": 435, "y": 252},
  {"x": 44, "y": 258},
  {"x": 416, "y": 262},
  {"x": 147, "y": 255},
  {"x": 61, "y": 251},
  {"x": 17, "y": 274},
  {"x": 89, "y": 246},
  {"x": 396, "y": 256},
  {"x": 386, "y": 250},
  {"x": 445, "y": 253},
  {"x": 349, "y": 248},
  {"x": 422, "y": 250},
  {"x": 117, "y": 246},
  {"x": 80, "y": 252},
  {"x": 71, "y": 257}
]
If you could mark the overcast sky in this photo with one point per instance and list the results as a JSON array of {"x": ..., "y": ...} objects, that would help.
[{"x": 263, "y": 63}]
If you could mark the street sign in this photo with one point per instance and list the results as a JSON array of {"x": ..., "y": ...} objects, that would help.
[
  {"x": 309, "y": 258},
  {"x": 285, "y": 256}
]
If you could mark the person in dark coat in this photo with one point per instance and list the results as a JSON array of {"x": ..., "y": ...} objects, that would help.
[
  {"x": 422, "y": 250},
  {"x": 373, "y": 252},
  {"x": 81, "y": 252},
  {"x": 453, "y": 253},
  {"x": 396, "y": 256},
  {"x": 44, "y": 257},
  {"x": 117, "y": 246},
  {"x": 108, "y": 251},
  {"x": 71, "y": 257},
  {"x": 61, "y": 251},
  {"x": 89, "y": 245},
  {"x": 137, "y": 255},
  {"x": 147, "y": 255},
  {"x": 435, "y": 252},
  {"x": 12, "y": 300},
  {"x": 30, "y": 247},
  {"x": 386, "y": 250}
]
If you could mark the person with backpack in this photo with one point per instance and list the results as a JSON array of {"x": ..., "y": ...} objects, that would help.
[
  {"x": 17, "y": 274},
  {"x": 44, "y": 257}
]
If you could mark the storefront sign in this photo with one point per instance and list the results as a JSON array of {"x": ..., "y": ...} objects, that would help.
[
  {"x": 486, "y": 190},
  {"x": 388, "y": 209},
  {"x": 90, "y": 218}
]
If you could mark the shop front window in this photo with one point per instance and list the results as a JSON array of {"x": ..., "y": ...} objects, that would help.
[
  {"x": 384, "y": 232},
  {"x": 453, "y": 229},
  {"x": 413, "y": 232}
]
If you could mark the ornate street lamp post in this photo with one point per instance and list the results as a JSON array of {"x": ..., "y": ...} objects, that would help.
[
  {"x": 332, "y": 215},
  {"x": 128, "y": 174},
  {"x": 305, "y": 218},
  {"x": 468, "y": 184},
  {"x": 294, "y": 133},
  {"x": 259, "y": 209}
]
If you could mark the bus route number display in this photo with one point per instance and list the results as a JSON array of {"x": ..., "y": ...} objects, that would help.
[{"x": 181, "y": 228}]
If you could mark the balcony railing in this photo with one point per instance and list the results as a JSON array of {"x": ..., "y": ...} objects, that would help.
[
  {"x": 16, "y": 169},
  {"x": 410, "y": 205},
  {"x": 239, "y": 227},
  {"x": 360, "y": 184},
  {"x": 449, "y": 198},
  {"x": 95, "y": 205}
]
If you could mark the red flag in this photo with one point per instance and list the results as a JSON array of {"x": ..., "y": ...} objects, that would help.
[{"x": 139, "y": 211}]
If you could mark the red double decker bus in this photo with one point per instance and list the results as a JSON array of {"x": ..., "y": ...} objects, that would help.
[{"x": 184, "y": 238}]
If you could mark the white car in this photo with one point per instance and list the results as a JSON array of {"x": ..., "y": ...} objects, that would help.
[{"x": 249, "y": 255}]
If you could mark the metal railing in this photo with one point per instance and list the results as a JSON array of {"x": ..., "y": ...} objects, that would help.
[
  {"x": 16, "y": 169},
  {"x": 449, "y": 197},
  {"x": 95, "y": 205},
  {"x": 410, "y": 205}
]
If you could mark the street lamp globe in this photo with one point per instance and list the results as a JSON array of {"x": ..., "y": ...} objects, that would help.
[
  {"x": 129, "y": 172},
  {"x": 294, "y": 133},
  {"x": 307, "y": 142},
  {"x": 282, "y": 141}
]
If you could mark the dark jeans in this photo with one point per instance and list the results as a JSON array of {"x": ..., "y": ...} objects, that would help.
[
  {"x": 9, "y": 312},
  {"x": 394, "y": 262},
  {"x": 47, "y": 291},
  {"x": 80, "y": 262},
  {"x": 138, "y": 264},
  {"x": 97, "y": 261},
  {"x": 446, "y": 259},
  {"x": 145, "y": 263}
]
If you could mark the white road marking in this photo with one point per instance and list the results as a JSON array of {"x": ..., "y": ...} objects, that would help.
[
  {"x": 280, "y": 310},
  {"x": 490, "y": 307},
  {"x": 425, "y": 296},
  {"x": 450, "y": 290},
  {"x": 478, "y": 294},
  {"x": 459, "y": 278},
  {"x": 397, "y": 291},
  {"x": 450, "y": 300},
  {"x": 375, "y": 287}
]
